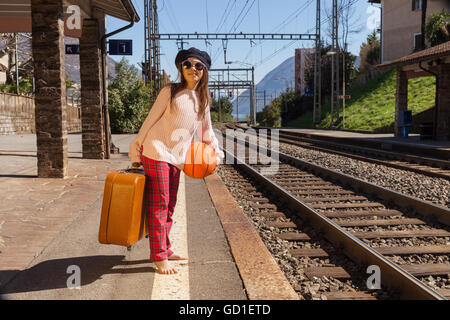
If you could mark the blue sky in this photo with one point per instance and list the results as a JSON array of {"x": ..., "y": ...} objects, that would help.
[{"x": 264, "y": 16}]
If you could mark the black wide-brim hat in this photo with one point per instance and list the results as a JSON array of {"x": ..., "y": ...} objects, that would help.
[{"x": 203, "y": 56}]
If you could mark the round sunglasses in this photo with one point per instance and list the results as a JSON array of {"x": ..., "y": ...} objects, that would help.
[{"x": 187, "y": 64}]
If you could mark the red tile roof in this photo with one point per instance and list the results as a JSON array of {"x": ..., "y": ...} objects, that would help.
[{"x": 435, "y": 52}]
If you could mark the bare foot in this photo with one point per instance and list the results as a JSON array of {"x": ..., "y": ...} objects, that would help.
[
  {"x": 176, "y": 257},
  {"x": 163, "y": 267}
]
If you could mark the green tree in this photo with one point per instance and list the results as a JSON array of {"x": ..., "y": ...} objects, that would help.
[
  {"x": 226, "y": 108},
  {"x": 69, "y": 83},
  {"x": 128, "y": 99},
  {"x": 326, "y": 69},
  {"x": 437, "y": 29},
  {"x": 270, "y": 115},
  {"x": 25, "y": 87},
  {"x": 369, "y": 53}
]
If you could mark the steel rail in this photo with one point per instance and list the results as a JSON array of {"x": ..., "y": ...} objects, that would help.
[
  {"x": 369, "y": 158},
  {"x": 405, "y": 157},
  {"x": 425, "y": 208},
  {"x": 329, "y": 141},
  {"x": 409, "y": 149},
  {"x": 310, "y": 143},
  {"x": 392, "y": 275}
]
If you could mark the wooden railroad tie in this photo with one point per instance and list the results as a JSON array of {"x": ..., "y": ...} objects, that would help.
[{"x": 403, "y": 250}]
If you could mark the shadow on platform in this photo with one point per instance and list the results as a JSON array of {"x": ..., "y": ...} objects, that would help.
[{"x": 54, "y": 274}]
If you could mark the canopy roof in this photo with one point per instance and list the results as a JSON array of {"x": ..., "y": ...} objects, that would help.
[
  {"x": 15, "y": 15},
  {"x": 433, "y": 53}
]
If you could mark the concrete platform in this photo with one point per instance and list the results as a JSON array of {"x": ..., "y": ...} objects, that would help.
[
  {"x": 49, "y": 245},
  {"x": 49, "y": 225}
]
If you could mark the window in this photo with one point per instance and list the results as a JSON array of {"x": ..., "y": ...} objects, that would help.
[
  {"x": 416, "y": 5},
  {"x": 417, "y": 41}
]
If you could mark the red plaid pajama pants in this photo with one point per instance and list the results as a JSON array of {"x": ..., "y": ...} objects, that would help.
[{"x": 160, "y": 199}]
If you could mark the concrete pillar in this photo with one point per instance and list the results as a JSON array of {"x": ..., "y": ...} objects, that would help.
[
  {"x": 93, "y": 137},
  {"x": 50, "y": 98},
  {"x": 401, "y": 98},
  {"x": 442, "y": 115}
]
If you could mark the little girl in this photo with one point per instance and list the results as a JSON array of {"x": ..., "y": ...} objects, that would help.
[{"x": 180, "y": 110}]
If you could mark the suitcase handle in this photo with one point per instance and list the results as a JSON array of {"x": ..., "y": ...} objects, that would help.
[{"x": 133, "y": 170}]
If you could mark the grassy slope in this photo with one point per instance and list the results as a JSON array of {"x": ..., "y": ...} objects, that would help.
[{"x": 372, "y": 105}]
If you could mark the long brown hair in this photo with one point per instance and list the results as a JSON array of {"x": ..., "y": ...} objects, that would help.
[{"x": 202, "y": 90}]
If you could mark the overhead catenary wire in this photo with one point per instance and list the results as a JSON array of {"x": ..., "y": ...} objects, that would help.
[
  {"x": 243, "y": 17},
  {"x": 219, "y": 26},
  {"x": 207, "y": 18},
  {"x": 239, "y": 19},
  {"x": 234, "y": 26},
  {"x": 285, "y": 22},
  {"x": 310, "y": 30},
  {"x": 241, "y": 11},
  {"x": 171, "y": 15},
  {"x": 225, "y": 15}
]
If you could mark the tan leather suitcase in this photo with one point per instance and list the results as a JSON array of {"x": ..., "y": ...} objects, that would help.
[{"x": 123, "y": 219}]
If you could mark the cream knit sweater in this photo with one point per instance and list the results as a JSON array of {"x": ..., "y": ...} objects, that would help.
[{"x": 167, "y": 133}]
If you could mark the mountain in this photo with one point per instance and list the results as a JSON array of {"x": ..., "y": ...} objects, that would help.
[{"x": 274, "y": 83}]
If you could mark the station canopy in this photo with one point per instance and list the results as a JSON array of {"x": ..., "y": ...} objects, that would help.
[
  {"x": 15, "y": 15},
  {"x": 411, "y": 62}
]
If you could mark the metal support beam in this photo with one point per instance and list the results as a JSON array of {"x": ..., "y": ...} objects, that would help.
[
  {"x": 317, "y": 71},
  {"x": 335, "y": 106},
  {"x": 235, "y": 36}
]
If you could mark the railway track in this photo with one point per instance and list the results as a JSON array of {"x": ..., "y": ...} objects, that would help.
[
  {"x": 433, "y": 167},
  {"x": 406, "y": 238}
]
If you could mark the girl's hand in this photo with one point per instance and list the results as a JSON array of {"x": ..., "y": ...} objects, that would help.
[{"x": 136, "y": 164}]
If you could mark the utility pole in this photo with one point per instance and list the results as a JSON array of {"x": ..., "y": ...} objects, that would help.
[
  {"x": 343, "y": 85},
  {"x": 16, "y": 37},
  {"x": 152, "y": 47},
  {"x": 146, "y": 65},
  {"x": 218, "y": 100},
  {"x": 317, "y": 71},
  {"x": 256, "y": 100},
  {"x": 252, "y": 98},
  {"x": 237, "y": 104},
  {"x": 335, "y": 67},
  {"x": 156, "y": 48}
]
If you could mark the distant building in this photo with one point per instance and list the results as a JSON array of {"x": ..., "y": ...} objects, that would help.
[
  {"x": 3, "y": 66},
  {"x": 401, "y": 22},
  {"x": 303, "y": 59}
]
